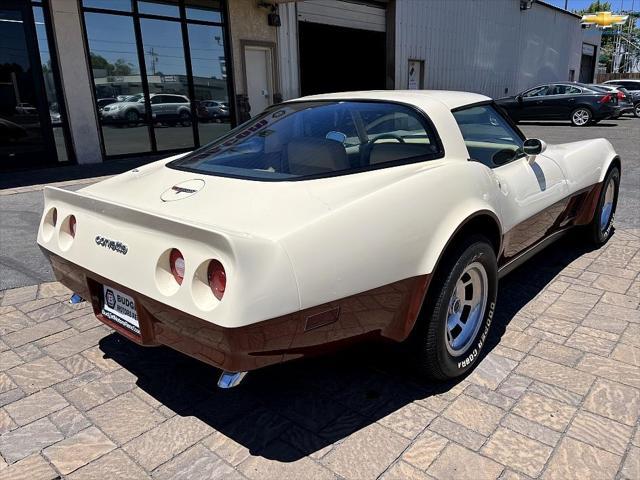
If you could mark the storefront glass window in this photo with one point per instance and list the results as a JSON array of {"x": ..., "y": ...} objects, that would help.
[
  {"x": 210, "y": 81},
  {"x": 168, "y": 83},
  {"x": 205, "y": 10},
  {"x": 166, "y": 9},
  {"x": 124, "y": 5},
  {"x": 117, "y": 83},
  {"x": 21, "y": 131},
  {"x": 51, "y": 92},
  {"x": 179, "y": 97}
]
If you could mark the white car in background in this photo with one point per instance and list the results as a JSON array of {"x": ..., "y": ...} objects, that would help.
[
  {"x": 326, "y": 219},
  {"x": 170, "y": 109}
]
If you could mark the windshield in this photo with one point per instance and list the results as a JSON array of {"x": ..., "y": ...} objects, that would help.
[{"x": 315, "y": 139}]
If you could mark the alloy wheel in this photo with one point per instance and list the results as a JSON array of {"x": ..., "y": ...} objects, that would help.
[
  {"x": 607, "y": 205},
  {"x": 581, "y": 117},
  {"x": 466, "y": 308}
]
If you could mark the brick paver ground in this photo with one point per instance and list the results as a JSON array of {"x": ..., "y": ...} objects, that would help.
[{"x": 557, "y": 396}]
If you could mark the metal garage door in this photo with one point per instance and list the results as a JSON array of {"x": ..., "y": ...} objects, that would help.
[{"x": 343, "y": 14}]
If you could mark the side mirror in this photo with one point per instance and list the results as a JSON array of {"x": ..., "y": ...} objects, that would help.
[
  {"x": 533, "y": 147},
  {"x": 519, "y": 98}
]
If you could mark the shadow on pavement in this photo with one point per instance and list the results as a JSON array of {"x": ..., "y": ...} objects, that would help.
[{"x": 310, "y": 404}]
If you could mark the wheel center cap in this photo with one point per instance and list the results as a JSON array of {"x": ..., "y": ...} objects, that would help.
[{"x": 456, "y": 306}]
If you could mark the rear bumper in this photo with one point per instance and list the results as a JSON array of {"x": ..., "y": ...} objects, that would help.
[
  {"x": 607, "y": 112},
  {"x": 388, "y": 312}
]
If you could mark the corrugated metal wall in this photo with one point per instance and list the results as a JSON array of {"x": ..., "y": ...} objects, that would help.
[
  {"x": 342, "y": 14},
  {"x": 485, "y": 46}
]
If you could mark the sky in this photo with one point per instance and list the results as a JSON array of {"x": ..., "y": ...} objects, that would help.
[{"x": 616, "y": 5}]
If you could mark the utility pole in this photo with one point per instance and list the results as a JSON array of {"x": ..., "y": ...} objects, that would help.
[{"x": 154, "y": 59}]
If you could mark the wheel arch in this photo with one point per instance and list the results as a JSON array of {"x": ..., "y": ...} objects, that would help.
[
  {"x": 611, "y": 162},
  {"x": 484, "y": 222}
]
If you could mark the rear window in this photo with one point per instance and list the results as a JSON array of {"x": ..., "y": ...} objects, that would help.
[{"x": 314, "y": 139}]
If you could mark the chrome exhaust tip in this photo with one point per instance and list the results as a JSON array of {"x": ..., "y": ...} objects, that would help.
[
  {"x": 230, "y": 379},
  {"x": 75, "y": 298}
]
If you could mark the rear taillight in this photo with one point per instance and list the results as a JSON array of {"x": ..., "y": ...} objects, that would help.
[
  {"x": 217, "y": 278},
  {"x": 605, "y": 99},
  {"x": 176, "y": 263},
  {"x": 72, "y": 226}
]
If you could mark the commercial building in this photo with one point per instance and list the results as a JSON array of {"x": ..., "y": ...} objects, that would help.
[{"x": 91, "y": 80}]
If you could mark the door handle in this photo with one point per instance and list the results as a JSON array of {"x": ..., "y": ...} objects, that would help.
[
  {"x": 572, "y": 99},
  {"x": 539, "y": 102}
]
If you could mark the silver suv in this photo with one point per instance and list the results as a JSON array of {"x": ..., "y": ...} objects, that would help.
[{"x": 165, "y": 108}]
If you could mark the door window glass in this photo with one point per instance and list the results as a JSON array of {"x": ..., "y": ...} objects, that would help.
[
  {"x": 210, "y": 80},
  {"x": 537, "y": 91},
  {"x": 488, "y": 136},
  {"x": 167, "y": 74},
  {"x": 117, "y": 83}
]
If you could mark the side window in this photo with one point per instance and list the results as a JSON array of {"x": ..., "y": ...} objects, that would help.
[
  {"x": 488, "y": 136},
  {"x": 573, "y": 90},
  {"x": 537, "y": 91},
  {"x": 156, "y": 100}
]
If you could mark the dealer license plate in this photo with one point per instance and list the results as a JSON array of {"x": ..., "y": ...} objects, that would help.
[{"x": 120, "y": 308}]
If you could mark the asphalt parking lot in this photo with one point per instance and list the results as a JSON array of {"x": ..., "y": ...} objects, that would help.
[{"x": 556, "y": 397}]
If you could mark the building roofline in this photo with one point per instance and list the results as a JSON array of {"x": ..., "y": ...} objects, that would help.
[{"x": 558, "y": 9}]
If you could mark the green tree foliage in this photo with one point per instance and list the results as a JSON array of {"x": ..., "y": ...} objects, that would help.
[{"x": 119, "y": 68}]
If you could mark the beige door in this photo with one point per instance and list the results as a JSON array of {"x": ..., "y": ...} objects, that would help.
[{"x": 259, "y": 71}]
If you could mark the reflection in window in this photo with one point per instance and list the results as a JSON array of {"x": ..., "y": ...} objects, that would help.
[
  {"x": 118, "y": 87},
  {"x": 164, "y": 8},
  {"x": 53, "y": 100},
  {"x": 167, "y": 74},
  {"x": 209, "y": 80},
  {"x": 20, "y": 129},
  {"x": 205, "y": 10},
  {"x": 123, "y": 5}
]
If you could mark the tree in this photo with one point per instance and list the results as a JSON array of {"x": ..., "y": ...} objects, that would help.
[
  {"x": 122, "y": 68},
  {"x": 119, "y": 68}
]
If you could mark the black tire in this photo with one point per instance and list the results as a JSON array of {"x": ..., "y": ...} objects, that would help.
[
  {"x": 436, "y": 356},
  {"x": 601, "y": 226},
  {"x": 636, "y": 110},
  {"x": 132, "y": 117},
  {"x": 581, "y": 117}
]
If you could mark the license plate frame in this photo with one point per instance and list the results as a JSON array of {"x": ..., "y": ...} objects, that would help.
[{"x": 120, "y": 308}]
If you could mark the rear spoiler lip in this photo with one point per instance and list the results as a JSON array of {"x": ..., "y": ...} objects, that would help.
[{"x": 87, "y": 201}]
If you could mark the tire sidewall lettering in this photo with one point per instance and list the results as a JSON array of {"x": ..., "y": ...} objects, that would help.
[{"x": 475, "y": 353}]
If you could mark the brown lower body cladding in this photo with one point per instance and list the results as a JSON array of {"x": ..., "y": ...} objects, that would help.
[{"x": 386, "y": 312}]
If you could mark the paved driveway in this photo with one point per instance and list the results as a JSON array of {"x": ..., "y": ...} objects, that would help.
[{"x": 557, "y": 396}]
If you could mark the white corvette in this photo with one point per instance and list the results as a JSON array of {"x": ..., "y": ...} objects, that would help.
[{"x": 367, "y": 214}]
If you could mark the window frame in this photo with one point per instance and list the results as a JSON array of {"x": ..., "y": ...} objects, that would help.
[
  {"x": 548, "y": 85},
  {"x": 184, "y": 21},
  {"x": 440, "y": 153},
  {"x": 505, "y": 116}
]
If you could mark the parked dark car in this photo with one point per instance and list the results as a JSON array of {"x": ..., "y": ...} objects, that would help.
[
  {"x": 575, "y": 102},
  {"x": 624, "y": 97},
  {"x": 633, "y": 87}
]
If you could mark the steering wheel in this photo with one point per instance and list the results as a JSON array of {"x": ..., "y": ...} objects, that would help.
[{"x": 384, "y": 136}]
